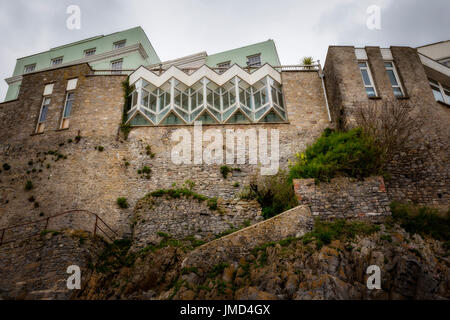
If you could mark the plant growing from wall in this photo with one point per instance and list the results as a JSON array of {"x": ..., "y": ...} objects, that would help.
[
  {"x": 351, "y": 154},
  {"x": 126, "y": 128},
  {"x": 28, "y": 185},
  {"x": 122, "y": 203},
  {"x": 6, "y": 167}
]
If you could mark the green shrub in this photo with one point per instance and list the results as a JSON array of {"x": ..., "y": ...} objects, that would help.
[
  {"x": 100, "y": 148},
  {"x": 28, "y": 185},
  {"x": 275, "y": 194},
  {"x": 351, "y": 154},
  {"x": 212, "y": 203},
  {"x": 422, "y": 220},
  {"x": 6, "y": 167},
  {"x": 325, "y": 232},
  {"x": 225, "y": 170},
  {"x": 123, "y": 203},
  {"x": 146, "y": 170}
]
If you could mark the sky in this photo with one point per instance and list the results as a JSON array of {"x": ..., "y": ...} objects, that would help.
[{"x": 178, "y": 28}]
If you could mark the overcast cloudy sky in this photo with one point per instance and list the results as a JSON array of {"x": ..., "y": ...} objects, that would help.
[{"x": 178, "y": 28}]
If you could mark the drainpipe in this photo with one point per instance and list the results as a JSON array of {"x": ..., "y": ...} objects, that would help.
[{"x": 322, "y": 76}]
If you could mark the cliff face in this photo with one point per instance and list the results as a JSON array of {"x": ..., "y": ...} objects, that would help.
[{"x": 411, "y": 268}]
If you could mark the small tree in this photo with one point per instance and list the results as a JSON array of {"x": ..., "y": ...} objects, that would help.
[{"x": 395, "y": 125}]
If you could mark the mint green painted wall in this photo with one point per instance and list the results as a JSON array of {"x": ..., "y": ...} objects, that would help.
[
  {"x": 102, "y": 44},
  {"x": 13, "y": 91},
  {"x": 239, "y": 56},
  {"x": 75, "y": 51}
]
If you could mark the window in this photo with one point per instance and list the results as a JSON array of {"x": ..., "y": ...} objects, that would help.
[
  {"x": 223, "y": 66},
  {"x": 445, "y": 61},
  {"x": 70, "y": 97},
  {"x": 254, "y": 61},
  {"x": 43, "y": 115},
  {"x": 116, "y": 66},
  {"x": 57, "y": 61},
  {"x": 440, "y": 92},
  {"x": 90, "y": 52},
  {"x": 393, "y": 77},
  {"x": 29, "y": 68},
  {"x": 119, "y": 44},
  {"x": 367, "y": 79}
]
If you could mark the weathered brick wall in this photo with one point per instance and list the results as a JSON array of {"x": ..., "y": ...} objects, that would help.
[
  {"x": 88, "y": 179},
  {"x": 344, "y": 197},
  {"x": 421, "y": 174}
]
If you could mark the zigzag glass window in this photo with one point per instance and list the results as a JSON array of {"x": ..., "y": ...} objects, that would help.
[{"x": 236, "y": 101}]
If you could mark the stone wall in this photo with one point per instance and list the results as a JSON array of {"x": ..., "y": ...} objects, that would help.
[
  {"x": 293, "y": 223},
  {"x": 85, "y": 178},
  {"x": 420, "y": 175},
  {"x": 344, "y": 197},
  {"x": 36, "y": 268},
  {"x": 187, "y": 217}
]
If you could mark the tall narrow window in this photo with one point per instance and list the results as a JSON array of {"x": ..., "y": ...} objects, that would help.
[
  {"x": 367, "y": 79},
  {"x": 254, "y": 60},
  {"x": 57, "y": 61},
  {"x": 393, "y": 77},
  {"x": 116, "y": 66},
  {"x": 43, "y": 115},
  {"x": 70, "y": 97}
]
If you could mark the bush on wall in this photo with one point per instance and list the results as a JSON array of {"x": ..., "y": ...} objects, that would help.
[{"x": 351, "y": 154}]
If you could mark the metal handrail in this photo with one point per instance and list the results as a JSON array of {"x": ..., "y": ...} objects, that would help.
[{"x": 47, "y": 220}]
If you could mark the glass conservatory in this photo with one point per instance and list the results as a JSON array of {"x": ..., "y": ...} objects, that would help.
[{"x": 233, "y": 102}]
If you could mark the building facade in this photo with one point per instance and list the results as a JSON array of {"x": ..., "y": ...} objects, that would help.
[{"x": 70, "y": 112}]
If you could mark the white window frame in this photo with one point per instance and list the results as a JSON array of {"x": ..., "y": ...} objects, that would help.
[
  {"x": 372, "y": 83},
  {"x": 118, "y": 44},
  {"x": 399, "y": 83},
  {"x": 52, "y": 61},
  {"x": 254, "y": 64},
  {"x": 445, "y": 97},
  {"x": 65, "y": 106},
  {"x": 27, "y": 66},
  {"x": 94, "y": 50},
  {"x": 116, "y": 71}
]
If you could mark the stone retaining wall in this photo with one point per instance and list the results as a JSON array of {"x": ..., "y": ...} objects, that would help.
[
  {"x": 293, "y": 223},
  {"x": 184, "y": 217},
  {"x": 344, "y": 197}
]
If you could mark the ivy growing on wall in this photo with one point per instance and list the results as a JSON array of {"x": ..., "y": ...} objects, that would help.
[{"x": 125, "y": 128}]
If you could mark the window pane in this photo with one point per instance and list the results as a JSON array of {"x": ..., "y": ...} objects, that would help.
[
  {"x": 370, "y": 91},
  {"x": 43, "y": 113},
  {"x": 392, "y": 77},
  {"x": 362, "y": 64},
  {"x": 437, "y": 94},
  {"x": 366, "y": 77},
  {"x": 388, "y": 64},
  {"x": 68, "y": 109},
  {"x": 398, "y": 92},
  {"x": 447, "y": 95}
]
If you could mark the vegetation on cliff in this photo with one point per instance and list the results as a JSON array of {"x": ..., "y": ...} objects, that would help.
[{"x": 336, "y": 153}]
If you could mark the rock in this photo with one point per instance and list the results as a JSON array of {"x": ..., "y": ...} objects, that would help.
[{"x": 252, "y": 293}]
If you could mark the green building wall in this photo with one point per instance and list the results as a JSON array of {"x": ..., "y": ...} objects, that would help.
[
  {"x": 239, "y": 56},
  {"x": 75, "y": 51}
]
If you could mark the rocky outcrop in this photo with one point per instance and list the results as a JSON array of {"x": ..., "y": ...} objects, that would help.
[{"x": 411, "y": 268}]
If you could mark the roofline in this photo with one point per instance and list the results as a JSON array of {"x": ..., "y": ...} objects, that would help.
[
  {"x": 427, "y": 45},
  {"x": 250, "y": 45},
  {"x": 82, "y": 41}
]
